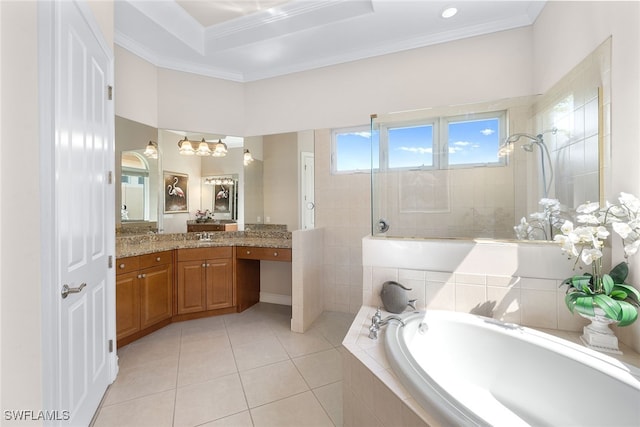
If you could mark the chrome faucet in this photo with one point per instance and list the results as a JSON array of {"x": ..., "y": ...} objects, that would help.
[
  {"x": 205, "y": 235},
  {"x": 378, "y": 322}
]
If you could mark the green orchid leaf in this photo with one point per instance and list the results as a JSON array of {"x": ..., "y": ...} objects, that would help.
[
  {"x": 582, "y": 283},
  {"x": 618, "y": 294},
  {"x": 610, "y": 306},
  {"x": 628, "y": 314},
  {"x": 629, "y": 290},
  {"x": 584, "y": 304},
  {"x": 570, "y": 300},
  {"x": 607, "y": 283},
  {"x": 620, "y": 272}
]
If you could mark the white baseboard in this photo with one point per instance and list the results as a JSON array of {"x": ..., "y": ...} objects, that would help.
[{"x": 275, "y": 298}]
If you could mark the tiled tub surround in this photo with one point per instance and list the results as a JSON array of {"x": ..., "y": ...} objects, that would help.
[
  {"x": 514, "y": 282},
  {"x": 373, "y": 395}
]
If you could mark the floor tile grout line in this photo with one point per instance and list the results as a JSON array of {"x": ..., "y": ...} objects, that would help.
[{"x": 175, "y": 394}]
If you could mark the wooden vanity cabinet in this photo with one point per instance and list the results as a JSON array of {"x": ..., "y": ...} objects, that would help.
[
  {"x": 248, "y": 271},
  {"x": 205, "y": 280},
  {"x": 144, "y": 295}
]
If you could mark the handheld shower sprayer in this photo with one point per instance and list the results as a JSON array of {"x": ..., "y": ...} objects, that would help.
[{"x": 509, "y": 143}]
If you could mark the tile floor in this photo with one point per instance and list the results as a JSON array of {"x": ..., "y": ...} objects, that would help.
[{"x": 245, "y": 369}]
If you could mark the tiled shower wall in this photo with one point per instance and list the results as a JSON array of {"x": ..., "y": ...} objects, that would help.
[
  {"x": 343, "y": 204},
  {"x": 578, "y": 148}
]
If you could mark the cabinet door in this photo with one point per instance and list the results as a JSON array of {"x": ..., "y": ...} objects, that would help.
[
  {"x": 127, "y": 304},
  {"x": 155, "y": 295},
  {"x": 191, "y": 286},
  {"x": 220, "y": 284}
]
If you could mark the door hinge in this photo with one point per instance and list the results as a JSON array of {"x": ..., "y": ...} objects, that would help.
[
  {"x": 110, "y": 177},
  {"x": 110, "y": 262},
  {"x": 110, "y": 346},
  {"x": 110, "y": 92}
]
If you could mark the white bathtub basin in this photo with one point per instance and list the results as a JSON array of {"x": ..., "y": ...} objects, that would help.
[{"x": 469, "y": 370}]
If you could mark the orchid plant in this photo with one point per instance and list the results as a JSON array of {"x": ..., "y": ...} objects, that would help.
[
  {"x": 205, "y": 215},
  {"x": 541, "y": 225},
  {"x": 617, "y": 299}
]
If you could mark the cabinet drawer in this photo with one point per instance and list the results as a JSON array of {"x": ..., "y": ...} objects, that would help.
[
  {"x": 127, "y": 265},
  {"x": 157, "y": 258},
  {"x": 266, "y": 254},
  {"x": 195, "y": 254}
]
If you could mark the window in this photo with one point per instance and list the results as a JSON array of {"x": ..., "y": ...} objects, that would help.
[
  {"x": 411, "y": 146},
  {"x": 471, "y": 140},
  {"x": 351, "y": 150},
  {"x": 474, "y": 141}
]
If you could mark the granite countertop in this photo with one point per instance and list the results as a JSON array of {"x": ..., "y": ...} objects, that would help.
[{"x": 146, "y": 244}]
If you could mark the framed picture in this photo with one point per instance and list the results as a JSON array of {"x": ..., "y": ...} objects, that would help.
[{"x": 176, "y": 186}]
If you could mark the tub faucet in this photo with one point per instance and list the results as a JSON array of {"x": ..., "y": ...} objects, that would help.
[{"x": 378, "y": 322}]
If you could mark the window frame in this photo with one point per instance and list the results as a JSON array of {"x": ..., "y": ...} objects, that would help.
[
  {"x": 440, "y": 140},
  {"x": 445, "y": 121},
  {"x": 334, "y": 149}
]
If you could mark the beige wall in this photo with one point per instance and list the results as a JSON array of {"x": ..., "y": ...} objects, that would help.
[
  {"x": 136, "y": 88},
  {"x": 20, "y": 277},
  {"x": 280, "y": 177}
]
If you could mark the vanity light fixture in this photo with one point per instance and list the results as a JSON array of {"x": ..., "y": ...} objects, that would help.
[
  {"x": 219, "y": 149},
  {"x": 248, "y": 158},
  {"x": 219, "y": 181},
  {"x": 449, "y": 12},
  {"x": 204, "y": 148},
  {"x": 185, "y": 147},
  {"x": 152, "y": 150}
]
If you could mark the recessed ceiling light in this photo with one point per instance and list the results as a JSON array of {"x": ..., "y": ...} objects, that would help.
[{"x": 449, "y": 12}]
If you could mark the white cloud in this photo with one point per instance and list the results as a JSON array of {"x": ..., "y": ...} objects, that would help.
[
  {"x": 487, "y": 132},
  {"x": 454, "y": 150},
  {"x": 462, "y": 143},
  {"x": 362, "y": 134},
  {"x": 418, "y": 150}
]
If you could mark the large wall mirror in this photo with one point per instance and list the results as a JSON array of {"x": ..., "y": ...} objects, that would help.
[
  {"x": 265, "y": 171},
  {"x": 138, "y": 195}
]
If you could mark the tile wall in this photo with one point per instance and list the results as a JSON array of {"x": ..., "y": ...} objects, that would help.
[{"x": 343, "y": 211}]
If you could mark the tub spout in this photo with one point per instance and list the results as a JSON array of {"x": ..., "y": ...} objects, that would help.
[{"x": 378, "y": 322}]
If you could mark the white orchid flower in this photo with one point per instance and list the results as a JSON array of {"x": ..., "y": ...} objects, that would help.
[
  {"x": 590, "y": 255},
  {"x": 566, "y": 244},
  {"x": 538, "y": 216},
  {"x": 567, "y": 227},
  {"x": 622, "y": 228},
  {"x": 632, "y": 248},
  {"x": 617, "y": 210},
  {"x": 588, "y": 208},
  {"x": 602, "y": 232},
  {"x": 630, "y": 201},
  {"x": 584, "y": 234}
]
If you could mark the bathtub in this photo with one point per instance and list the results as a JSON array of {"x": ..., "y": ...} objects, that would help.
[{"x": 471, "y": 370}]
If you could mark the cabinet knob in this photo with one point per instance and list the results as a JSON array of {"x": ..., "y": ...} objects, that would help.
[
  {"x": 275, "y": 254},
  {"x": 143, "y": 275},
  {"x": 204, "y": 265},
  {"x": 248, "y": 252},
  {"x": 158, "y": 259},
  {"x": 121, "y": 265}
]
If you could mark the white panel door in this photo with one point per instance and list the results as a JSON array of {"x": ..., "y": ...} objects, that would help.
[{"x": 83, "y": 152}]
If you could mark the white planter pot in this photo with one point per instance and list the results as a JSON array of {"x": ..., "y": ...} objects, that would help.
[{"x": 598, "y": 335}]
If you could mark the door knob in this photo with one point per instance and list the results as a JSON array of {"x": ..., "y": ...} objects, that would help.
[{"x": 66, "y": 290}]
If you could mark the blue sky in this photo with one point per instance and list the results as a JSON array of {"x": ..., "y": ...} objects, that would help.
[{"x": 469, "y": 142}]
